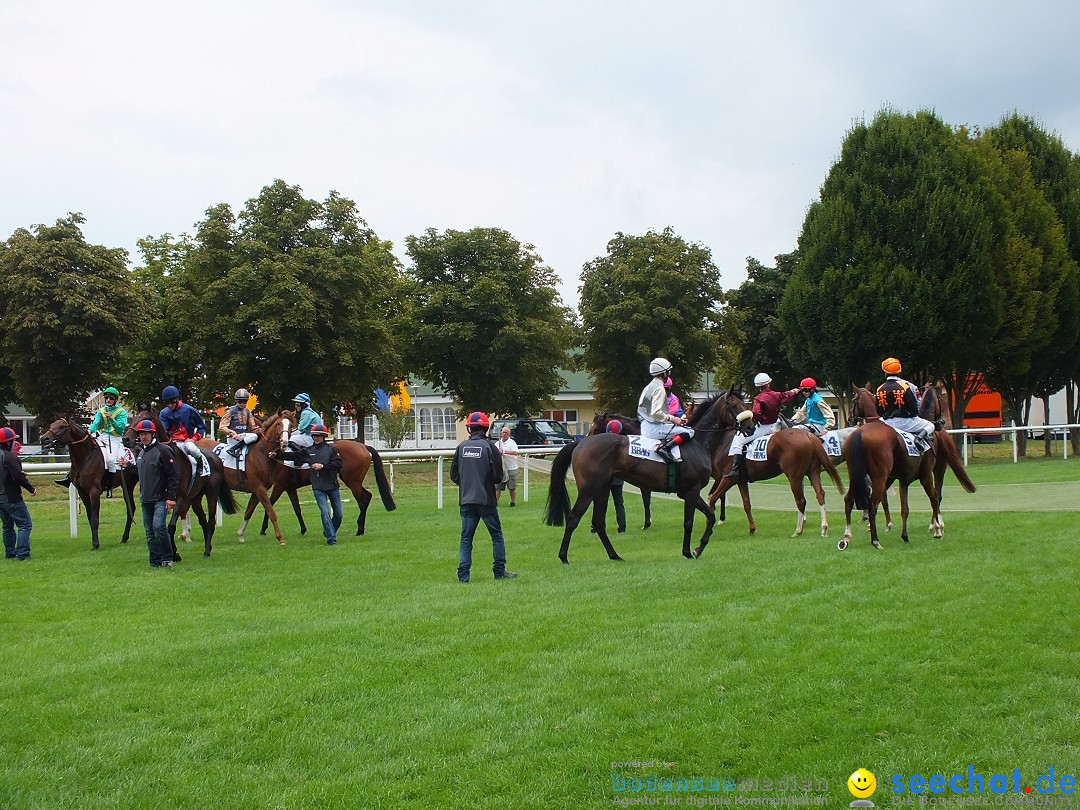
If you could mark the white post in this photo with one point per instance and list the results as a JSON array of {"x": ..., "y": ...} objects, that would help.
[
  {"x": 416, "y": 415},
  {"x": 1065, "y": 444},
  {"x": 73, "y": 510},
  {"x": 440, "y": 486},
  {"x": 525, "y": 479},
  {"x": 220, "y": 516},
  {"x": 391, "y": 478},
  {"x": 1012, "y": 424},
  {"x": 965, "y": 448}
]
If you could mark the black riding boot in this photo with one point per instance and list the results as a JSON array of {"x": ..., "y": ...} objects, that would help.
[
  {"x": 738, "y": 467},
  {"x": 64, "y": 482},
  {"x": 664, "y": 450}
]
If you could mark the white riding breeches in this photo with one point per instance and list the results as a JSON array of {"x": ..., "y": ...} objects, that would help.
[
  {"x": 912, "y": 424},
  {"x": 740, "y": 441},
  {"x": 114, "y": 448},
  {"x": 662, "y": 430},
  {"x": 300, "y": 439}
]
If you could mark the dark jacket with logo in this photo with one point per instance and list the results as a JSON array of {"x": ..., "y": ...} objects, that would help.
[
  {"x": 326, "y": 479},
  {"x": 476, "y": 469},
  {"x": 12, "y": 478},
  {"x": 158, "y": 478},
  {"x": 896, "y": 397}
]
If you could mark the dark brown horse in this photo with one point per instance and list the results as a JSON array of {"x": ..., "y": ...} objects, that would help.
[
  {"x": 191, "y": 490},
  {"x": 597, "y": 459},
  {"x": 877, "y": 456},
  {"x": 88, "y": 474},
  {"x": 259, "y": 470},
  {"x": 630, "y": 427},
  {"x": 357, "y": 458}
]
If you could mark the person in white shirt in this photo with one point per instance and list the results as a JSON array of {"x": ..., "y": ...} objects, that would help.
[{"x": 509, "y": 449}]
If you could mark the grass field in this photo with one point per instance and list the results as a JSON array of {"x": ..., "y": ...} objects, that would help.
[{"x": 364, "y": 676}]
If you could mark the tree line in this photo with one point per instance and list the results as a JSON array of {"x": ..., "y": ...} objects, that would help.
[{"x": 954, "y": 249}]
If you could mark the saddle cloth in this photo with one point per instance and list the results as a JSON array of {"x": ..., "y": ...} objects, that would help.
[
  {"x": 758, "y": 449},
  {"x": 194, "y": 464},
  {"x": 228, "y": 460},
  {"x": 834, "y": 447},
  {"x": 915, "y": 448},
  {"x": 643, "y": 447}
]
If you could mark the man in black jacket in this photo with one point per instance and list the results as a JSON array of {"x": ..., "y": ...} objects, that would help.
[
  {"x": 477, "y": 470},
  {"x": 158, "y": 481},
  {"x": 13, "y": 511},
  {"x": 325, "y": 464}
]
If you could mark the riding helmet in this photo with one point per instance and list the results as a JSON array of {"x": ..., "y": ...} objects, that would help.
[
  {"x": 477, "y": 419},
  {"x": 110, "y": 391},
  {"x": 303, "y": 399},
  {"x": 890, "y": 365},
  {"x": 145, "y": 426},
  {"x": 659, "y": 365},
  {"x": 614, "y": 426},
  {"x": 320, "y": 429},
  {"x": 761, "y": 378},
  {"x": 242, "y": 395},
  {"x": 170, "y": 392},
  {"x": 7, "y": 435},
  {"x": 808, "y": 382}
]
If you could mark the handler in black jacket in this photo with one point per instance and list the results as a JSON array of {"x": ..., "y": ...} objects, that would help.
[
  {"x": 477, "y": 470},
  {"x": 13, "y": 512},
  {"x": 158, "y": 481},
  {"x": 325, "y": 463}
]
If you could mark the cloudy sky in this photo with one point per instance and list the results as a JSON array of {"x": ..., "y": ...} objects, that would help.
[{"x": 562, "y": 122}]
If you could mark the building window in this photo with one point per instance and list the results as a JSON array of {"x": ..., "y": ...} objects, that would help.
[{"x": 566, "y": 417}]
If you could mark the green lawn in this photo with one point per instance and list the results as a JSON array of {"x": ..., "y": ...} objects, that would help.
[{"x": 364, "y": 676}]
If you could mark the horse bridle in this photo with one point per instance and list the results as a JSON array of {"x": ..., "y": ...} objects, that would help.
[{"x": 70, "y": 441}]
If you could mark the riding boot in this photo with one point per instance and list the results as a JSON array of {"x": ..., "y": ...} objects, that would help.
[
  {"x": 664, "y": 450},
  {"x": 236, "y": 450},
  {"x": 738, "y": 467},
  {"x": 64, "y": 482}
]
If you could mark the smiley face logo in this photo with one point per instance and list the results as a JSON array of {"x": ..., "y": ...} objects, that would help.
[{"x": 862, "y": 784}]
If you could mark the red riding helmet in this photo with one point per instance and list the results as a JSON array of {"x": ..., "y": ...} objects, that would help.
[
  {"x": 614, "y": 426},
  {"x": 808, "y": 382},
  {"x": 477, "y": 419},
  {"x": 7, "y": 435},
  {"x": 145, "y": 426}
]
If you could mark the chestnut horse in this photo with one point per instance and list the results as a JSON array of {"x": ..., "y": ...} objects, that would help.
[
  {"x": 631, "y": 427},
  {"x": 877, "y": 456},
  {"x": 88, "y": 474},
  {"x": 189, "y": 492},
  {"x": 599, "y": 458},
  {"x": 796, "y": 453},
  {"x": 356, "y": 459}
]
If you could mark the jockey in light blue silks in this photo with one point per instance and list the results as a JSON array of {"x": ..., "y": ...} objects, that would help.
[
  {"x": 656, "y": 421},
  {"x": 306, "y": 418},
  {"x": 108, "y": 427},
  {"x": 815, "y": 414}
]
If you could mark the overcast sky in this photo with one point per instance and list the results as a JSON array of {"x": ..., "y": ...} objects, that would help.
[{"x": 562, "y": 122}]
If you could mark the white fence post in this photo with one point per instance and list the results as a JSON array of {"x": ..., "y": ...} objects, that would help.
[
  {"x": 73, "y": 511},
  {"x": 525, "y": 479},
  {"x": 440, "y": 487},
  {"x": 1012, "y": 424}
]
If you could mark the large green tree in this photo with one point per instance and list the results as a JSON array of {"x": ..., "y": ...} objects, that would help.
[
  {"x": 291, "y": 295},
  {"x": 650, "y": 295},
  {"x": 896, "y": 258},
  {"x": 68, "y": 309},
  {"x": 486, "y": 322}
]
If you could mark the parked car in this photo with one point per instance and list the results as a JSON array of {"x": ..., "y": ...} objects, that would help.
[{"x": 532, "y": 432}]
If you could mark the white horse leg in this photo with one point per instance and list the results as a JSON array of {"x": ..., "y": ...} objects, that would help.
[
  {"x": 800, "y": 521},
  {"x": 241, "y": 530},
  {"x": 824, "y": 522},
  {"x": 186, "y": 531}
]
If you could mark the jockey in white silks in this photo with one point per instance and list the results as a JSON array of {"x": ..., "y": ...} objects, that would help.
[{"x": 656, "y": 421}]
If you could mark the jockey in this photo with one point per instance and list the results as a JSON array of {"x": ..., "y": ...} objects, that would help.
[
  {"x": 815, "y": 415},
  {"x": 108, "y": 426},
  {"x": 766, "y": 412},
  {"x": 898, "y": 403},
  {"x": 674, "y": 407},
  {"x": 306, "y": 418},
  {"x": 656, "y": 421},
  {"x": 239, "y": 425},
  {"x": 184, "y": 426}
]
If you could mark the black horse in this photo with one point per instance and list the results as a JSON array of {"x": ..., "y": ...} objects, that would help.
[
  {"x": 631, "y": 426},
  {"x": 597, "y": 459}
]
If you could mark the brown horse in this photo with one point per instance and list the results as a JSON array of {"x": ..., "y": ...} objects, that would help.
[
  {"x": 794, "y": 452},
  {"x": 190, "y": 491},
  {"x": 877, "y": 456},
  {"x": 631, "y": 427},
  {"x": 597, "y": 459},
  {"x": 357, "y": 458},
  {"x": 88, "y": 474},
  {"x": 258, "y": 472}
]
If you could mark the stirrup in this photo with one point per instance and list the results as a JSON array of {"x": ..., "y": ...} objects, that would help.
[{"x": 665, "y": 454}]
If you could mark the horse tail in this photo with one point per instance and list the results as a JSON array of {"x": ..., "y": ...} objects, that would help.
[
  {"x": 380, "y": 479},
  {"x": 956, "y": 464},
  {"x": 225, "y": 498},
  {"x": 827, "y": 465},
  {"x": 558, "y": 501},
  {"x": 859, "y": 490}
]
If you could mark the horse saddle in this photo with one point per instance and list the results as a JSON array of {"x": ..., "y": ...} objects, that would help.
[
  {"x": 645, "y": 448},
  {"x": 758, "y": 449}
]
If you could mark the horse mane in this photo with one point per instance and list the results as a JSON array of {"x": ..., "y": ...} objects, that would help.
[
  {"x": 928, "y": 407},
  {"x": 707, "y": 405}
]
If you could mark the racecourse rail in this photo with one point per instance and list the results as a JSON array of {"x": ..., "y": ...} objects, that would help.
[{"x": 1057, "y": 431}]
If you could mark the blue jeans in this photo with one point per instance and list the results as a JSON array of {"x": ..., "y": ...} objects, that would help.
[
  {"x": 12, "y": 515},
  {"x": 471, "y": 515},
  {"x": 327, "y": 499},
  {"x": 157, "y": 535}
]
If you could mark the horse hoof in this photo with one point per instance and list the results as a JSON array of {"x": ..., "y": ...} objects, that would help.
[
  {"x": 281, "y": 542},
  {"x": 240, "y": 540},
  {"x": 187, "y": 539},
  {"x": 876, "y": 545},
  {"x": 841, "y": 545},
  {"x": 904, "y": 537},
  {"x": 564, "y": 560},
  {"x": 124, "y": 540},
  {"x": 647, "y": 525},
  {"x": 206, "y": 554}
]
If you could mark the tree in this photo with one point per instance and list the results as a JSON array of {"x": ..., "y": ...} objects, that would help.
[
  {"x": 763, "y": 344},
  {"x": 895, "y": 259},
  {"x": 68, "y": 308},
  {"x": 487, "y": 324},
  {"x": 293, "y": 295},
  {"x": 651, "y": 295}
]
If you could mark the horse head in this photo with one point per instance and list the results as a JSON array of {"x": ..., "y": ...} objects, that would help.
[
  {"x": 145, "y": 411},
  {"x": 930, "y": 406},
  {"x": 276, "y": 426},
  {"x": 59, "y": 432},
  {"x": 863, "y": 405}
]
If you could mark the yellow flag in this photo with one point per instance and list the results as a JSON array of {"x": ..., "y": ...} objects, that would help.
[
  {"x": 252, "y": 402},
  {"x": 401, "y": 402}
]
